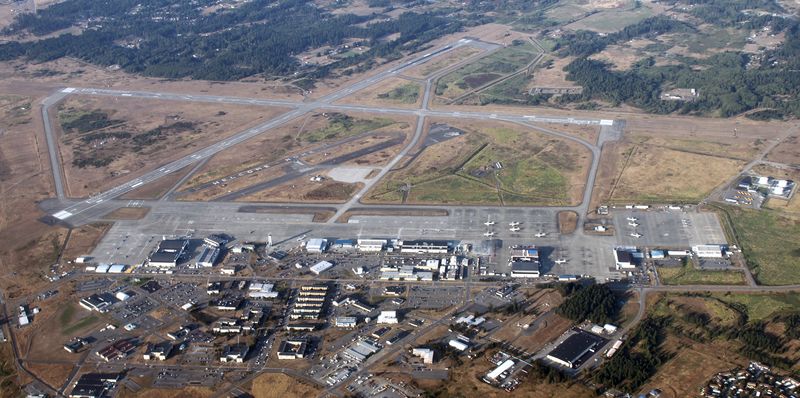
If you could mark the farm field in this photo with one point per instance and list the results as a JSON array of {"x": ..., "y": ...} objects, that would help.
[{"x": 492, "y": 163}]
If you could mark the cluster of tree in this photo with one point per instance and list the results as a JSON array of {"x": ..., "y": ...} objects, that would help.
[
  {"x": 91, "y": 121},
  {"x": 159, "y": 133},
  {"x": 637, "y": 359},
  {"x": 104, "y": 135},
  {"x": 595, "y": 302},
  {"x": 92, "y": 161},
  {"x": 540, "y": 371},
  {"x": 171, "y": 38}
]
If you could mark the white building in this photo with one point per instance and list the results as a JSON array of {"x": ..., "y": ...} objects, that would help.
[
  {"x": 321, "y": 267},
  {"x": 425, "y": 353},
  {"x": 389, "y": 317},
  {"x": 207, "y": 257},
  {"x": 371, "y": 245},
  {"x": 458, "y": 344},
  {"x": 261, "y": 290},
  {"x": 345, "y": 322},
  {"x": 316, "y": 245},
  {"x": 494, "y": 374},
  {"x": 707, "y": 251},
  {"x": 525, "y": 269}
]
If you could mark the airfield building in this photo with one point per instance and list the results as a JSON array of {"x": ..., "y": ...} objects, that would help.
[
  {"x": 573, "y": 349},
  {"x": 425, "y": 246}
]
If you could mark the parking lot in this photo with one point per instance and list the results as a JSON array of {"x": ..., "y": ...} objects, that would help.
[{"x": 668, "y": 228}]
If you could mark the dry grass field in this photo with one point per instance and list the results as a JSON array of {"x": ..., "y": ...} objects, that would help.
[
  {"x": 655, "y": 174},
  {"x": 395, "y": 92},
  {"x": 442, "y": 61},
  {"x": 278, "y": 385},
  {"x": 107, "y": 142},
  {"x": 303, "y": 190},
  {"x": 788, "y": 151}
]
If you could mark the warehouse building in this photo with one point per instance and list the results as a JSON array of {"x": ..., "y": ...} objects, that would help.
[
  {"x": 361, "y": 350},
  {"x": 345, "y": 322},
  {"x": 371, "y": 245},
  {"x": 316, "y": 245},
  {"x": 425, "y": 353},
  {"x": 94, "y": 385},
  {"x": 159, "y": 351},
  {"x": 524, "y": 269},
  {"x": 708, "y": 251},
  {"x": 168, "y": 253},
  {"x": 574, "y": 348},
  {"x": 623, "y": 259},
  {"x": 234, "y": 353},
  {"x": 321, "y": 267},
  {"x": 207, "y": 257},
  {"x": 425, "y": 246},
  {"x": 97, "y": 302},
  {"x": 260, "y": 290}
]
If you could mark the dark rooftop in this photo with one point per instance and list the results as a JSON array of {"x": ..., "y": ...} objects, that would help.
[{"x": 571, "y": 349}]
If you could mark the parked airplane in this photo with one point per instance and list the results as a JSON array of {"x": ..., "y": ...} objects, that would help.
[
  {"x": 488, "y": 222},
  {"x": 514, "y": 229},
  {"x": 488, "y": 233},
  {"x": 633, "y": 224},
  {"x": 540, "y": 235},
  {"x": 633, "y": 219},
  {"x": 560, "y": 261},
  {"x": 513, "y": 224},
  {"x": 636, "y": 235}
]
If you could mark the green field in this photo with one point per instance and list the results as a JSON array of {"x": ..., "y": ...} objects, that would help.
[
  {"x": 612, "y": 20},
  {"x": 406, "y": 94},
  {"x": 473, "y": 75},
  {"x": 343, "y": 126},
  {"x": 533, "y": 170},
  {"x": 762, "y": 306},
  {"x": 688, "y": 275},
  {"x": 770, "y": 243}
]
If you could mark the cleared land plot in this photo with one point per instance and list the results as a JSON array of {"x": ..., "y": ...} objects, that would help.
[
  {"x": 484, "y": 70},
  {"x": 771, "y": 244},
  {"x": 103, "y": 142},
  {"x": 688, "y": 275},
  {"x": 734, "y": 148},
  {"x": 438, "y": 63},
  {"x": 552, "y": 74},
  {"x": 393, "y": 91},
  {"x": 655, "y": 174},
  {"x": 685, "y": 373},
  {"x": 493, "y": 163},
  {"x": 788, "y": 151},
  {"x": 612, "y": 20}
]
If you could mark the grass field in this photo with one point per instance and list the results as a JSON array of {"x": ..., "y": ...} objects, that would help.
[
  {"x": 490, "y": 164},
  {"x": 770, "y": 243},
  {"x": 763, "y": 306},
  {"x": 689, "y": 275},
  {"x": 406, "y": 94},
  {"x": 612, "y": 20},
  {"x": 343, "y": 126},
  {"x": 484, "y": 70},
  {"x": 656, "y": 174}
]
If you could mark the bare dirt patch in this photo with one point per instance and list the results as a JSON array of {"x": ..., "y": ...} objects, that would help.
[
  {"x": 553, "y": 74},
  {"x": 567, "y": 222},
  {"x": 788, "y": 151}
]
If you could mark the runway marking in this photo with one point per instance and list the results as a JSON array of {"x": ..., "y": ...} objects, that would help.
[{"x": 62, "y": 215}]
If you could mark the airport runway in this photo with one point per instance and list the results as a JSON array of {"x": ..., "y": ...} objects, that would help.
[{"x": 71, "y": 213}]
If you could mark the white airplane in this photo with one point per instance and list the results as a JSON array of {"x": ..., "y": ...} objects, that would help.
[
  {"x": 633, "y": 219},
  {"x": 560, "y": 261},
  {"x": 540, "y": 235},
  {"x": 513, "y": 224},
  {"x": 488, "y": 222},
  {"x": 488, "y": 233},
  {"x": 633, "y": 224},
  {"x": 636, "y": 235},
  {"x": 514, "y": 229}
]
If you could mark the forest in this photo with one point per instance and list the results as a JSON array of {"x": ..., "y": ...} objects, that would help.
[{"x": 174, "y": 39}]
